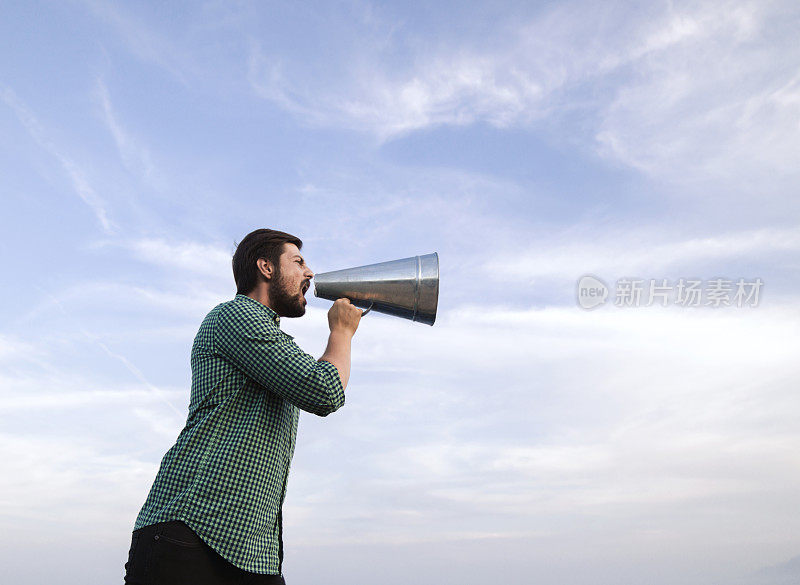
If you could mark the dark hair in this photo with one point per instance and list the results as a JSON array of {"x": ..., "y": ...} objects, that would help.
[{"x": 263, "y": 243}]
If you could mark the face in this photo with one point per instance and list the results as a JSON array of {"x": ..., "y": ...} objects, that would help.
[{"x": 290, "y": 282}]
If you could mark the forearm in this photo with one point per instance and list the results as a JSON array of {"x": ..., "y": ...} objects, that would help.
[{"x": 338, "y": 353}]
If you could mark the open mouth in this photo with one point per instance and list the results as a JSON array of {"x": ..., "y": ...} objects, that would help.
[{"x": 305, "y": 287}]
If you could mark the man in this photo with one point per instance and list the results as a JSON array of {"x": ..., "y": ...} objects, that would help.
[{"x": 213, "y": 515}]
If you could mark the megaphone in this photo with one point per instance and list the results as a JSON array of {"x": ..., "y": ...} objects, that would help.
[{"x": 407, "y": 288}]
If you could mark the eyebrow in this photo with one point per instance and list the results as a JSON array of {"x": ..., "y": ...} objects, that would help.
[{"x": 299, "y": 256}]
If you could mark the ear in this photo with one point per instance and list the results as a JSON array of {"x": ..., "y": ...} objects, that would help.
[{"x": 265, "y": 268}]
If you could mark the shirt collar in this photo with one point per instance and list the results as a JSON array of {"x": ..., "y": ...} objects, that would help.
[{"x": 270, "y": 313}]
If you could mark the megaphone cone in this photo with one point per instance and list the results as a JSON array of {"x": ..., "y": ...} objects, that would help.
[{"x": 407, "y": 288}]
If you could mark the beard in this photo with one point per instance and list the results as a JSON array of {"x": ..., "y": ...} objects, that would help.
[{"x": 285, "y": 302}]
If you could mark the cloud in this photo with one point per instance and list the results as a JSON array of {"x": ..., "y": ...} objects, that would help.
[
  {"x": 520, "y": 419},
  {"x": 13, "y": 349},
  {"x": 183, "y": 256},
  {"x": 143, "y": 40},
  {"x": 67, "y": 431},
  {"x": 682, "y": 91},
  {"x": 443, "y": 91},
  {"x": 66, "y": 439},
  {"x": 62, "y": 480},
  {"x": 580, "y": 250},
  {"x": 711, "y": 96},
  {"x": 135, "y": 157},
  {"x": 446, "y": 85},
  {"x": 513, "y": 424},
  {"x": 784, "y": 573},
  {"x": 155, "y": 390},
  {"x": 77, "y": 177},
  {"x": 75, "y": 399},
  {"x": 33, "y": 379}
]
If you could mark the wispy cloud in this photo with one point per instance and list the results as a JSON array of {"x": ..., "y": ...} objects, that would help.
[
  {"x": 579, "y": 250},
  {"x": 144, "y": 40},
  {"x": 77, "y": 177},
  {"x": 591, "y": 414},
  {"x": 135, "y": 157},
  {"x": 444, "y": 90},
  {"x": 75, "y": 399},
  {"x": 677, "y": 90},
  {"x": 154, "y": 390},
  {"x": 63, "y": 480},
  {"x": 709, "y": 99},
  {"x": 93, "y": 339},
  {"x": 184, "y": 256},
  {"x": 104, "y": 297}
]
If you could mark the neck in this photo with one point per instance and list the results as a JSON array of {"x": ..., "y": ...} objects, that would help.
[{"x": 261, "y": 294}]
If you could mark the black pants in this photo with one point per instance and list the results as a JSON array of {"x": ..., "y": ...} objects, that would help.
[{"x": 170, "y": 553}]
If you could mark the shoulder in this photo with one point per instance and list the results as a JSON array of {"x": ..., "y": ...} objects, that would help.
[
  {"x": 242, "y": 306},
  {"x": 245, "y": 314}
]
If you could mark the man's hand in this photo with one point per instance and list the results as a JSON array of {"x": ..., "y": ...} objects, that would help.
[
  {"x": 343, "y": 319},
  {"x": 344, "y": 316}
]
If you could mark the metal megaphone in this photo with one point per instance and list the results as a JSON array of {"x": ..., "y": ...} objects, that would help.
[{"x": 407, "y": 288}]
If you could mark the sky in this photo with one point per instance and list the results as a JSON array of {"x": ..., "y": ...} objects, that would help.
[{"x": 521, "y": 439}]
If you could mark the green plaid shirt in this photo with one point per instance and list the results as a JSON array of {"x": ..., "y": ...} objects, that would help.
[{"x": 225, "y": 477}]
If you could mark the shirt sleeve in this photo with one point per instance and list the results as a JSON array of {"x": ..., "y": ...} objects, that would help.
[{"x": 277, "y": 363}]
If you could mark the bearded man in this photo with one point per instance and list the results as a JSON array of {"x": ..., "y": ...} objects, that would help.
[{"x": 213, "y": 515}]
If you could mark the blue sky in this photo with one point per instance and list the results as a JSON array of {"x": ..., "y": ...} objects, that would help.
[{"x": 520, "y": 439}]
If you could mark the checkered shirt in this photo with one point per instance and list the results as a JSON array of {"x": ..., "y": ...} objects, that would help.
[{"x": 225, "y": 477}]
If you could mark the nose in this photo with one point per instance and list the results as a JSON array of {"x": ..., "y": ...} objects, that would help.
[{"x": 309, "y": 274}]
